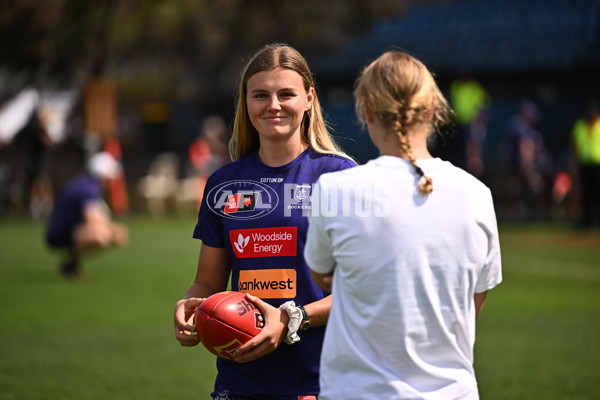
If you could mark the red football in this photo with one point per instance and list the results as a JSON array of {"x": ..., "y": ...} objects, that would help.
[{"x": 227, "y": 320}]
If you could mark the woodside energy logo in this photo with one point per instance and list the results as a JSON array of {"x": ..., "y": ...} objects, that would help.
[
  {"x": 264, "y": 242},
  {"x": 242, "y": 199}
]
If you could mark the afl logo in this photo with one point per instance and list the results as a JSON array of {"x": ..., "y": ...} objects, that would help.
[{"x": 242, "y": 199}]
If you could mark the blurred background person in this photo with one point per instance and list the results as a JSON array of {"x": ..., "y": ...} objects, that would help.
[
  {"x": 470, "y": 102},
  {"x": 586, "y": 142},
  {"x": 529, "y": 162},
  {"x": 206, "y": 153},
  {"x": 80, "y": 222},
  {"x": 209, "y": 151}
]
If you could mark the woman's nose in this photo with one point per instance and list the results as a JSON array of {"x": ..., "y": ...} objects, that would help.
[{"x": 274, "y": 103}]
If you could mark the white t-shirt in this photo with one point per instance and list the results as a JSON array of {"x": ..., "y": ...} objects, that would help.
[{"x": 402, "y": 323}]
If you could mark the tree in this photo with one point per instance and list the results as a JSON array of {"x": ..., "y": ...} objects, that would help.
[{"x": 157, "y": 45}]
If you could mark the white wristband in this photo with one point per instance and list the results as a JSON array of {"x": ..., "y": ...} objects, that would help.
[{"x": 295, "y": 319}]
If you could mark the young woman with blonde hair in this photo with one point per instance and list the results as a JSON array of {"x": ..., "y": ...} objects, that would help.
[
  {"x": 252, "y": 223},
  {"x": 413, "y": 257},
  {"x": 314, "y": 130}
]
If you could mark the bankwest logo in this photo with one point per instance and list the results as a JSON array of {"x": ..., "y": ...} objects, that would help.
[
  {"x": 268, "y": 283},
  {"x": 264, "y": 242}
]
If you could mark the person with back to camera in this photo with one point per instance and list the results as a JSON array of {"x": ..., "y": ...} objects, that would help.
[
  {"x": 411, "y": 255},
  {"x": 280, "y": 146},
  {"x": 80, "y": 222}
]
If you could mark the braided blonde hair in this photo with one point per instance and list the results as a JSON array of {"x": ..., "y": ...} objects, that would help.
[{"x": 400, "y": 91}]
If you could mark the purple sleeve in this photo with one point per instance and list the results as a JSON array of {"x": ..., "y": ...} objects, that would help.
[{"x": 208, "y": 228}]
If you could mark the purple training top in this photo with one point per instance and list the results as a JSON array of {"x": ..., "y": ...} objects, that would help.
[
  {"x": 68, "y": 211},
  {"x": 258, "y": 213}
]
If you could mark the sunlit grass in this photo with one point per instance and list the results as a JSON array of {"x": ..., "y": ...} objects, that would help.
[{"x": 111, "y": 335}]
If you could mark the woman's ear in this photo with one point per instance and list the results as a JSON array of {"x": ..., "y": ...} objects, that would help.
[
  {"x": 430, "y": 114},
  {"x": 310, "y": 98},
  {"x": 369, "y": 118}
]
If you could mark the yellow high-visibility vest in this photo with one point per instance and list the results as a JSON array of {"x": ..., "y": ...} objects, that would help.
[
  {"x": 587, "y": 141},
  {"x": 468, "y": 98}
]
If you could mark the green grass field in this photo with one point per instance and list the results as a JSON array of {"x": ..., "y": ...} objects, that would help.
[{"x": 111, "y": 336}]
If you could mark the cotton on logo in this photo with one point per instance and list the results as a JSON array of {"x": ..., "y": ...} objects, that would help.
[{"x": 241, "y": 243}]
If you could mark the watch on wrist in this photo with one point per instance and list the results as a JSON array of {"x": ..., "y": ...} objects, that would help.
[{"x": 305, "y": 323}]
